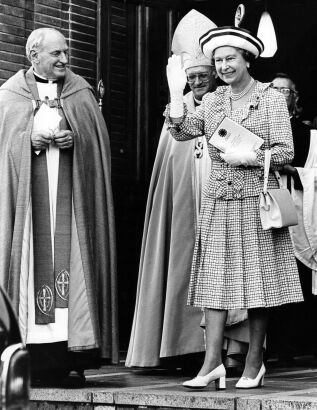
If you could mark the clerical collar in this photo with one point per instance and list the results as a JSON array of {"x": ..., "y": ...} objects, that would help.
[
  {"x": 197, "y": 102},
  {"x": 41, "y": 79}
]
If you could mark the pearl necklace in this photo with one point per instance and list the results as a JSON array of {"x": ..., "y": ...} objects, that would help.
[{"x": 237, "y": 96}]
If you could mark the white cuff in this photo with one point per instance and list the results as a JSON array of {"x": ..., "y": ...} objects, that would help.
[{"x": 177, "y": 105}]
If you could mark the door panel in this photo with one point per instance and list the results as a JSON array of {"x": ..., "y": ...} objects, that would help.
[{"x": 135, "y": 45}]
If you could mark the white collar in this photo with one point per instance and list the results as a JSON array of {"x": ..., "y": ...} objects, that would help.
[{"x": 49, "y": 81}]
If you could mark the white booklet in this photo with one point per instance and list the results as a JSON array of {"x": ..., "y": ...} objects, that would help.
[{"x": 231, "y": 136}]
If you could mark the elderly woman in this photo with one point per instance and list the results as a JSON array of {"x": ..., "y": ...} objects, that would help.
[{"x": 236, "y": 264}]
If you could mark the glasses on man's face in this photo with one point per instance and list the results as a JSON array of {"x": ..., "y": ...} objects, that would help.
[
  {"x": 201, "y": 78},
  {"x": 284, "y": 90}
]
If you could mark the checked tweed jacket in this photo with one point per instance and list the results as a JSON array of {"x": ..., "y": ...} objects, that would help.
[{"x": 235, "y": 263}]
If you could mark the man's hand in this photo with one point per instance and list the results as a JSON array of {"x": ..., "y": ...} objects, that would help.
[
  {"x": 41, "y": 140},
  {"x": 288, "y": 169},
  {"x": 64, "y": 139}
]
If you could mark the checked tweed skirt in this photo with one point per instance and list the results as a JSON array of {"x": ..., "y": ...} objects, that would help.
[{"x": 236, "y": 264}]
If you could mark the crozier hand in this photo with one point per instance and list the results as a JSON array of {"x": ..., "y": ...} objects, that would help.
[
  {"x": 41, "y": 140},
  {"x": 64, "y": 139}
]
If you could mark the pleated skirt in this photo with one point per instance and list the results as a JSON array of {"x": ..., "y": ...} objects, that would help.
[{"x": 238, "y": 265}]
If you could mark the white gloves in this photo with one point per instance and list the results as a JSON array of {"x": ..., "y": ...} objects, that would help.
[
  {"x": 176, "y": 78},
  {"x": 237, "y": 158}
]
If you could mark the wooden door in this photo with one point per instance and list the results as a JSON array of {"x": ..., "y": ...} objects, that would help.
[{"x": 134, "y": 47}]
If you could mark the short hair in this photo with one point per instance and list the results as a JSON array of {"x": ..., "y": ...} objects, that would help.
[
  {"x": 36, "y": 38},
  {"x": 249, "y": 57},
  {"x": 286, "y": 77}
]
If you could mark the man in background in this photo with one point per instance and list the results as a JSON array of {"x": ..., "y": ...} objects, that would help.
[
  {"x": 301, "y": 131},
  {"x": 295, "y": 334}
]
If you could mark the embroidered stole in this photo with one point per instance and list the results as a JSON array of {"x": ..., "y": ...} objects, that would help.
[{"x": 51, "y": 280}]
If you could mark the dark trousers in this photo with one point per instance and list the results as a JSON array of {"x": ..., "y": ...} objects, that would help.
[{"x": 293, "y": 327}]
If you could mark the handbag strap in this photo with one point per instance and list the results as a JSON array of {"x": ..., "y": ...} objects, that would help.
[
  {"x": 279, "y": 179},
  {"x": 267, "y": 161}
]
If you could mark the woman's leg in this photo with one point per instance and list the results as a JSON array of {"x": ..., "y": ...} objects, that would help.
[
  {"x": 215, "y": 321},
  {"x": 258, "y": 320}
]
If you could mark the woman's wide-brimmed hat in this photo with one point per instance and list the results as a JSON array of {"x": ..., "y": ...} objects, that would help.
[{"x": 230, "y": 36}]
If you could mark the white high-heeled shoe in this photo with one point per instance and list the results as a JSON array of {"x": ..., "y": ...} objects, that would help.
[
  {"x": 248, "y": 383},
  {"x": 218, "y": 375}
]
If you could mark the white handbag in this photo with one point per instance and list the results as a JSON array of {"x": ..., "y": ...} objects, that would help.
[{"x": 277, "y": 208}]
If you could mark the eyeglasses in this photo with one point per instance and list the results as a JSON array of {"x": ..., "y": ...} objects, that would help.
[
  {"x": 284, "y": 90},
  {"x": 203, "y": 78}
]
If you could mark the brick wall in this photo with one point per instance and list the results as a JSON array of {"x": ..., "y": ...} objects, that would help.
[{"x": 77, "y": 19}]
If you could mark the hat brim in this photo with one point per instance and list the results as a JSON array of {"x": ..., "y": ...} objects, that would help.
[{"x": 233, "y": 37}]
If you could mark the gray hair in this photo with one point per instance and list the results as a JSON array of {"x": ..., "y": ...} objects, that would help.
[
  {"x": 36, "y": 38},
  {"x": 247, "y": 55}
]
